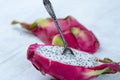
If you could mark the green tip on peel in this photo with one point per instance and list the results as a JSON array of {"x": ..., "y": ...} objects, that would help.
[
  {"x": 97, "y": 72},
  {"x": 75, "y": 31},
  {"x": 107, "y": 60},
  {"x": 57, "y": 41},
  {"x": 33, "y": 25},
  {"x": 42, "y": 22},
  {"x": 15, "y": 22}
]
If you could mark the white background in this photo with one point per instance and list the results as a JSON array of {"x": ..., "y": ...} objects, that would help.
[{"x": 100, "y": 16}]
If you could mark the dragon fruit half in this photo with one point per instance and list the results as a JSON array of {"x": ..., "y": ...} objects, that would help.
[
  {"x": 80, "y": 66},
  {"x": 76, "y": 35}
]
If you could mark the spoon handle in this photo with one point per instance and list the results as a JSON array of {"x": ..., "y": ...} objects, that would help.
[{"x": 51, "y": 12}]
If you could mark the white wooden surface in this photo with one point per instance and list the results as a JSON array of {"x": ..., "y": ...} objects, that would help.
[{"x": 100, "y": 16}]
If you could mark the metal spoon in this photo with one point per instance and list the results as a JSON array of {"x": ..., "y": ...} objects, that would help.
[{"x": 51, "y": 12}]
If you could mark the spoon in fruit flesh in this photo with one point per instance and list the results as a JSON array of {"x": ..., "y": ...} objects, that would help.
[{"x": 51, "y": 12}]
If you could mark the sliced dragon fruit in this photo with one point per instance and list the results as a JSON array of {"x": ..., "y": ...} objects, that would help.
[
  {"x": 46, "y": 30},
  {"x": 80, "y": 66}
]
